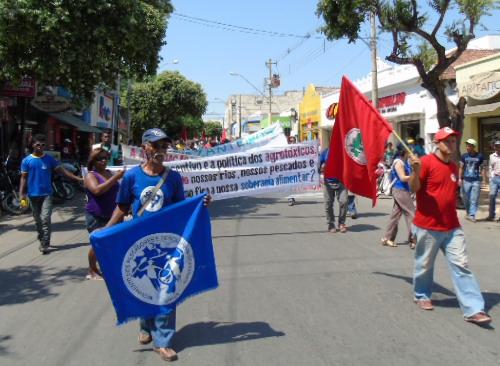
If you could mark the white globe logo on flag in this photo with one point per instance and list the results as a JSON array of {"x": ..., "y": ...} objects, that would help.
[
  {"x": 354, "y": 146},
  {"x": 158, "y": 267}
]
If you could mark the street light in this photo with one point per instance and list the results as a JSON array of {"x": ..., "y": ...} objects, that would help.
[{"x": 248, "y": 81}]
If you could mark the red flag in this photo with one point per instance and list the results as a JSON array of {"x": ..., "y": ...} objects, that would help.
[
  {"x": 358, "y": 142},
  {"x": 184, "y": 134},
  {"x": 203, "y": 135},
  {"x": 224, "y": 135}
]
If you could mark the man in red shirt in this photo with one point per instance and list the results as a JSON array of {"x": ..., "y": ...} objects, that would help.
[{"x": 436, "y": 226}]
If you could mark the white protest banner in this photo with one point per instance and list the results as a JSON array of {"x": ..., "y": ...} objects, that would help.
[
  {"x": 286, "y": 169},
  {"x": 251, "y": 173},
  {"x": 271, "y": 136}
]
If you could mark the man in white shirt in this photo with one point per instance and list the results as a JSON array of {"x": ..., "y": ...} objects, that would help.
[{"x": 494, "y": 165}]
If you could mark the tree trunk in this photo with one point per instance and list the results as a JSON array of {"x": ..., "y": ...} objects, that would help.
[{"x": 448, "y": 114}]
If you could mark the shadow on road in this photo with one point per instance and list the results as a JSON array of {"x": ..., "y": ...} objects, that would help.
[
  {"x": 270, "y": 234},
  {"x": 22, "y": 284},
  {"x": 69, "y": 225},
  {"x": 61, "y": 247},
  {"x": 372, "y": 214},
  {"x": 357, "y": 228},
  {"x": 3, "y": 349},
  {"x": 207, "y": 333},
  {"x": 242, "y": 205},
  {"x": 491, "y": 299}
]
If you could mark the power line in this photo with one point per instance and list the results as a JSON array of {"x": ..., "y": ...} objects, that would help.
[{"x": 235, "y": 28}]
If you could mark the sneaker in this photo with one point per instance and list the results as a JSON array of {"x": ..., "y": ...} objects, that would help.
[
  {"x": 44, "y": 249},
  {"x": 332, "y": 230},
  {"x": 354, "y": 216},
  {"x": 424, "y": 304},
  {"x": 489, "y": 218},
  {"x": 470, "y": 218},
  {"x": 478, "y": 318},
  {"x": 343, "y": 228}
]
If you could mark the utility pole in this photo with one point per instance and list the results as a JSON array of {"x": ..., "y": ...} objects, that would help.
[
  {"x": 116, "y": 117},
  {"x": 270, "y": 64},
  {"x": 373, "y": 47},
  {"x": 239, "y": 118},
  {"x": 129, "y": 117}
]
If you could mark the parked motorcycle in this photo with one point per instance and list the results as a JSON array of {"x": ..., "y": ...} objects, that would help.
[
  {"x": 75, "y": 168},
  {"x": 9, "y": 185},
  {"x": 62, "y": 190}
]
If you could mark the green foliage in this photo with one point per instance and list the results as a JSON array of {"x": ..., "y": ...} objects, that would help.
[
  {"x": 213, "y": 128},
  {"x": 169, "y": 101},
  {"x": 80, "y": 44},
  {"x": 194, "y": 125},
  {"x": 427, "y": 54}
]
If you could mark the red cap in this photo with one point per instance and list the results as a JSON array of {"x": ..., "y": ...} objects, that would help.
[{"x": 444, "y": 133}]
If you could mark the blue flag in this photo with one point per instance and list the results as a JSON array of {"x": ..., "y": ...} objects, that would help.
[{"x": 152, "y": 263}]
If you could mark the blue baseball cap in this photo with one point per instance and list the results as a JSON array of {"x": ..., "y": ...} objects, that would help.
[{"x": 154, "y": 134}]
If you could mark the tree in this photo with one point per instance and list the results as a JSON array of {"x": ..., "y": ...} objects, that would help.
[
  {"x": 169, "y": 101},
  {"x": 213, "y": 128},
  {"x": 415, "y": 39},
  {"x": 80, "y": 45},
  {"x": 194, "y": 125}
]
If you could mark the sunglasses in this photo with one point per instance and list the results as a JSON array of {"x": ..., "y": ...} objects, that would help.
[
  {"x": 39, "y": 144},
  {"x": 102, "y": 158}
]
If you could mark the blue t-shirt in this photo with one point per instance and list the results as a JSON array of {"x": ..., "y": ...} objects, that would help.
[
  {"x": 39, "y": 171},
  {"x": 471, "y": 166},
  {"x": 136, "y": 186},
  {"x": 322, "y": 160}
]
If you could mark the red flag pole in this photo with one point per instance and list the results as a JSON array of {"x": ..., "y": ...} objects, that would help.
[{"x": 402, "y": 142}]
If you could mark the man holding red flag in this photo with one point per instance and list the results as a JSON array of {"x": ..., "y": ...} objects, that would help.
[{"x": 357, "y": 144}]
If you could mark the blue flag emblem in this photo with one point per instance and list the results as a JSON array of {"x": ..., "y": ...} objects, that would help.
[{"x": 152, "y": 263}]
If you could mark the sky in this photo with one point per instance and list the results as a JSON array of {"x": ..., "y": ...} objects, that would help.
[{"x": 203, "y": 45}]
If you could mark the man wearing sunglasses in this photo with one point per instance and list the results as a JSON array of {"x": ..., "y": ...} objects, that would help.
[{"x": 36, "y": 179}]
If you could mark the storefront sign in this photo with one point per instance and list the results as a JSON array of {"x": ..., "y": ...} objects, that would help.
[
  {"x": 48, "y": 100},
  {"x": 27, "y": 89},
  {"x": 104, "y": 111},
  {"x": 331, "y": 111},
  {"x": 482, "y": 86},
  {"x": 390, "y": 103}
]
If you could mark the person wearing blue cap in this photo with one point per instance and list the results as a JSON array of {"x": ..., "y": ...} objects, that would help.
[{"x": 137, "y": 187}]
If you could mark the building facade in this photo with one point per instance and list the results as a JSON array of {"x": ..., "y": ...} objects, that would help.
[{"x": 479, "y": 82}]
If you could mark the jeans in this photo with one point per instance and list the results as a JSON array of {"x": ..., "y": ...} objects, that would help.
[
  {"x": 330, "y": 191},
  {"x": 494, "y": 189},
  {"x": 351, "y": 205},
  {"x": 161, "y": 328},
  {"x": 41, "y": 207},
  {"x": 470, "y": 196},
  {"x": 452, "y": 244},
  {"x": 94, "y": 222}
]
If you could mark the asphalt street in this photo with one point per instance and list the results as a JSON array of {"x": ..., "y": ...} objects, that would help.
[{"x": 290, "y": 294}]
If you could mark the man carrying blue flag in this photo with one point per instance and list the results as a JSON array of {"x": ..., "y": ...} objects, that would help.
[{"x": 148, "y": 188}]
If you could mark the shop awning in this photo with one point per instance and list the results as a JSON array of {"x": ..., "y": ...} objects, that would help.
[
  {"x": 75, "y": 122},
  {"x": 476, "y": 109}
]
